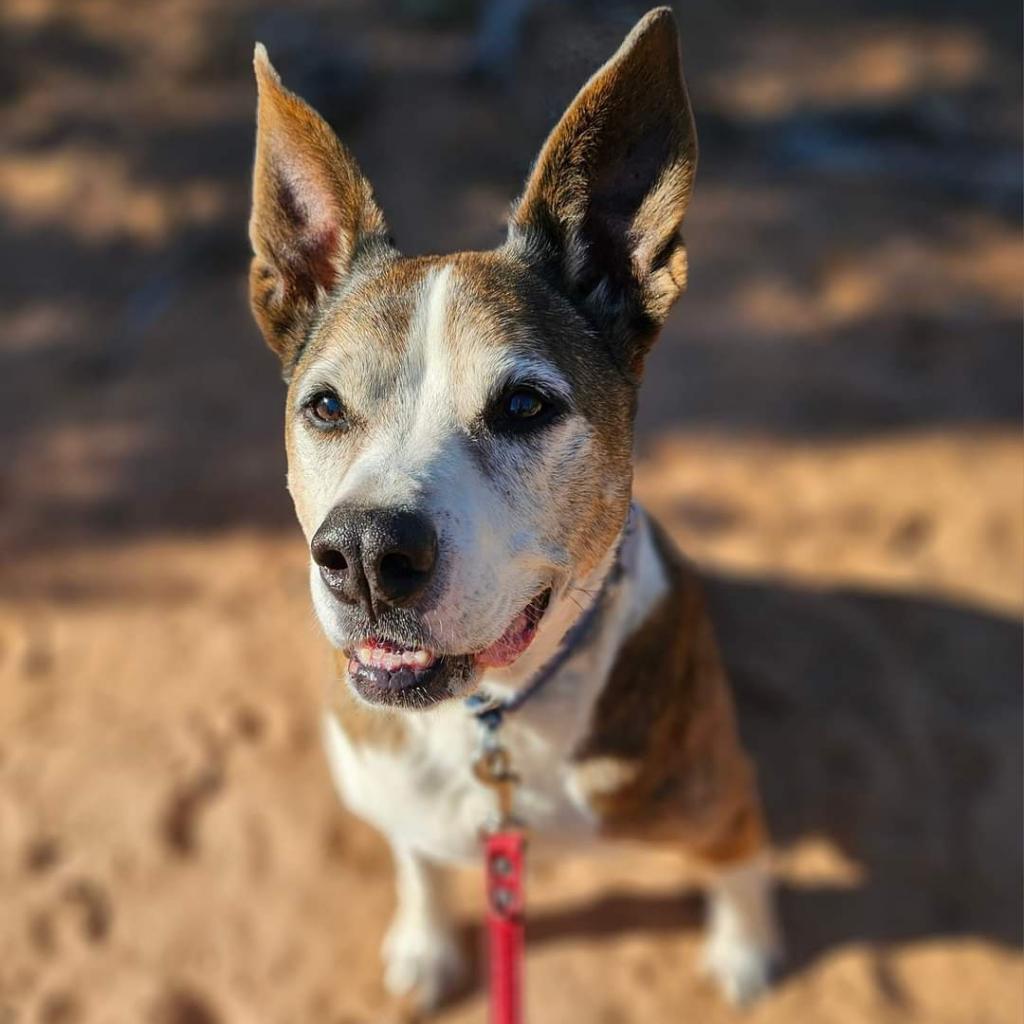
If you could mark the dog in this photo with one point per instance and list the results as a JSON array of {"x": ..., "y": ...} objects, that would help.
[{"x": 459, "y": 438}]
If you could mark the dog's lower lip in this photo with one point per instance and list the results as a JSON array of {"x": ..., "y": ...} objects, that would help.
[{"x": 381, "y": 665}]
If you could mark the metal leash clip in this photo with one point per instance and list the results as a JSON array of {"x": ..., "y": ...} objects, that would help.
[{"x": 493, "y": 769}]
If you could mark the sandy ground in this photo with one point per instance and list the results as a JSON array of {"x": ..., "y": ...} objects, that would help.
[{"x": 831, "y": 427}]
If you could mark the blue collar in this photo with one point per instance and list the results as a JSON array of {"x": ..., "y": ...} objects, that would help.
[{"x": 489, "y": 712}]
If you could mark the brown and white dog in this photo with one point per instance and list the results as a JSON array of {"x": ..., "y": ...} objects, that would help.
[{"x": 459, "y": 433}]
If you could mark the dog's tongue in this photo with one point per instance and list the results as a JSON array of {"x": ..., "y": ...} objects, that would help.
[{"x": 511, "y": 643}]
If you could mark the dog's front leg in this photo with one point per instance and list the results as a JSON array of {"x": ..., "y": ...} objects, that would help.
[
  {"x": 744, "y": 946},
  {"x": 421, "y": 955}
]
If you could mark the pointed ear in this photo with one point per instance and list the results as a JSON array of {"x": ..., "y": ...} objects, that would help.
[
  {"x": 313, "y": 213},
  {"x": 605, "y": 200}
]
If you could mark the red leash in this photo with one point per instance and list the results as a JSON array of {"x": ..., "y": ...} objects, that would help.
[{"x": 505, "y": 861}]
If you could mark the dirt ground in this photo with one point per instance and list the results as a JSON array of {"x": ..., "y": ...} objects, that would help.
[{"x": 831, "y": 428}]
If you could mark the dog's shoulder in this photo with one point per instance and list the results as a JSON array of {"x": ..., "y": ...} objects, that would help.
[{"x": 661, "y": 757}]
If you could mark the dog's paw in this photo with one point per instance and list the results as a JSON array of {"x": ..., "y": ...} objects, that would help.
[
  {"x": 422, "y": 962},
  {"x": 743, "y": 968}
]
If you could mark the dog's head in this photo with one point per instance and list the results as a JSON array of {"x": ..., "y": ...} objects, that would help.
[{"x": 459, "y": 428}]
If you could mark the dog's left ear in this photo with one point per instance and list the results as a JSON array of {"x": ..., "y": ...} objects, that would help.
[
  {"x": 313, "y": 213},
  {"x": 605, "y": 201}
]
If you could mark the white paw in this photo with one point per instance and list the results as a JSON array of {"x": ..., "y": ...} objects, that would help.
[
  {"x": 422, "y": 961},
  {"x": 743, "y": 968}
]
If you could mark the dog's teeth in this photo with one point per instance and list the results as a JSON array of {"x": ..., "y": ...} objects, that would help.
[{"x": 392, "y": 660}]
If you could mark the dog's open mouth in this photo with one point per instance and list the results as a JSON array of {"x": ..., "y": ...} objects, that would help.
[{"x": 385, "y": 672}]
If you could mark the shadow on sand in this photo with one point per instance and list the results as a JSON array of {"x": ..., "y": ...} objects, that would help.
[{"x": 888, "y": 726}]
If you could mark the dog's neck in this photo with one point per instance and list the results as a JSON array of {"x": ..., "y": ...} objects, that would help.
[{"x": 617, "y": 596}]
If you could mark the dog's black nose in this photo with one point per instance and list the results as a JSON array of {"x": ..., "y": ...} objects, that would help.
[{"x": 376, "y": 557}]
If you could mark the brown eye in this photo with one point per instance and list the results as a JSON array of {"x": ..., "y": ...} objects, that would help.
[
  {"x": 523, "y": 405},
  {"x": 523, "y": 410},
  {"x": 325, "y": 410}
]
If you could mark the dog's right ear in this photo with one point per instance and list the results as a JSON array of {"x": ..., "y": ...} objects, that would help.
[{"x": 312, "y": 213}]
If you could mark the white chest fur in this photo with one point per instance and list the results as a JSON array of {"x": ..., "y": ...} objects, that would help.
[{"x": 423, "y": 795}]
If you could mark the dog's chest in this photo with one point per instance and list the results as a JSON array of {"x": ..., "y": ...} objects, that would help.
[{"x": 422, "y": 792}]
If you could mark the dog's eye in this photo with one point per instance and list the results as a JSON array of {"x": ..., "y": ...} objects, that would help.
[
  {"x": 524, "y": 405},
  {"x": 324, "y": 410},
  {"x": 522, "y": 409}
]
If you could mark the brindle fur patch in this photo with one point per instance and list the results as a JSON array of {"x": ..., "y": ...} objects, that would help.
[{"x": 667, "y": 712}]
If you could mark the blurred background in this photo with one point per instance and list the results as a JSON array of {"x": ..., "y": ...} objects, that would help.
[{"x": 830, "y": 426}]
